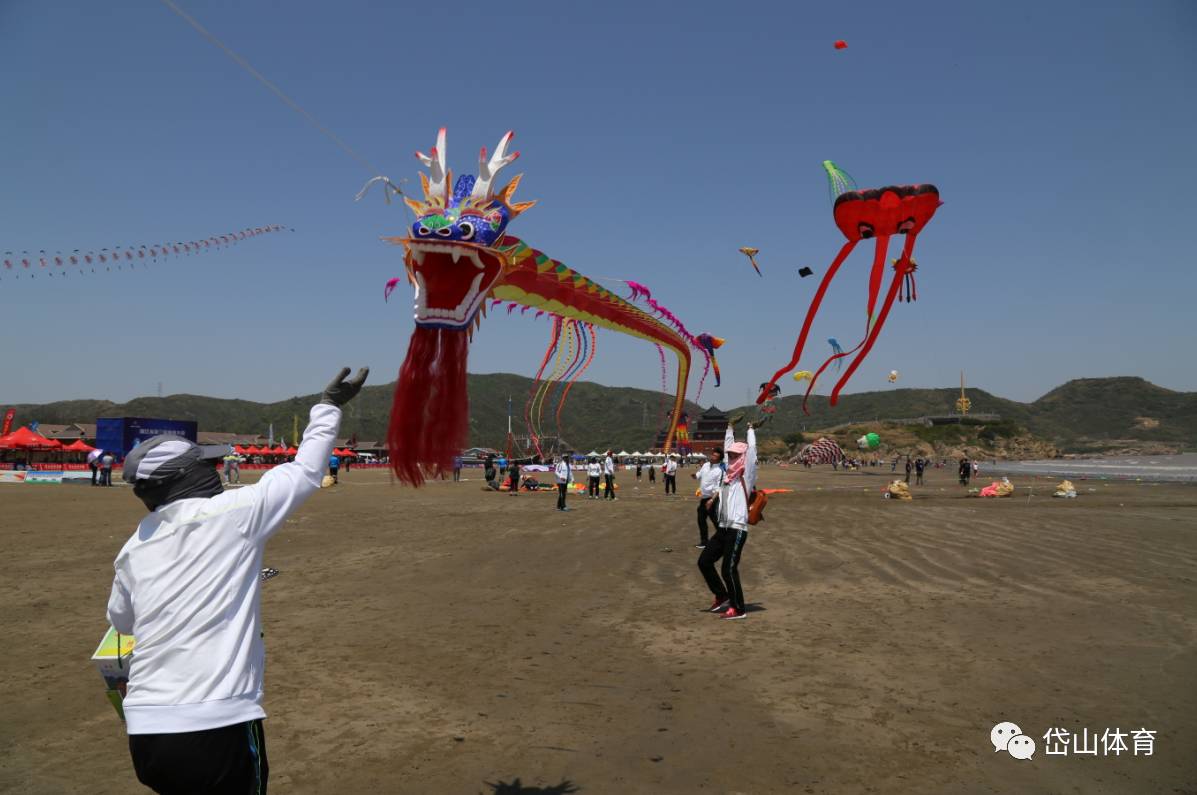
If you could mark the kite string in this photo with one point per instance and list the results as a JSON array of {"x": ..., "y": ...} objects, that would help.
[{"x": 278, "y": 92}]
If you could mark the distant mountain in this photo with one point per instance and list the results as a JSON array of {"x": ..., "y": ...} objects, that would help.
[{"x": 1084, "y": 415}]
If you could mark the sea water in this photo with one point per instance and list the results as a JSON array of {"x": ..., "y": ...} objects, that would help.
[{"x": 1171, "y": 468}]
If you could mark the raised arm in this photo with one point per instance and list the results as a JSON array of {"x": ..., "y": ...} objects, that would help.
[
  {"x": 750, "y": 460},
  {"x": 287, "y": 486}
]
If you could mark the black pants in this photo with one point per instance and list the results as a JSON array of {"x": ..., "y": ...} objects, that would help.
[
  {"x": 609, "y": 490},
  {"x": 332, "y": 472},
  {"x": 671, "y": 484},
  {"x": 708, "y": 511},
  {"x": 561, "y": 489},
  {"x": 106, "y": 476},
  {"x": 456, "y": 474},
  {"x": 728, "y": 545},
  {"x": 95, "y": 474},
  {"x": 593, "y": 491},
  {"x": 229, "y": 760},
  {"x": 918, "y": 478}
]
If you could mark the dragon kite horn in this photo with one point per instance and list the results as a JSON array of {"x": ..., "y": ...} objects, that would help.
[
  {"x": 484, "y": 185},
  {"x": 435, "y": 163}
]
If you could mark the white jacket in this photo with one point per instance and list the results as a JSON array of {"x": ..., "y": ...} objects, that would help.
[
  {"x": 670, "y": 467},
  {"x": 733, "y": 498},
  {"x": 563, "y": 472},
  {"x": 710, "y": 478},
  {"x": 608, "y": 466},
  {"x": 187, "y": 588},
  {"x": 594, "y": 470}
]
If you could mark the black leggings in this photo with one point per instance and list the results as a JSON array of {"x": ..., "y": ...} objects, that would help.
[
  {"x": 729, "y": 545},
  {"x": 609, "y": 491},
  {"x": 561, "y": 489},
  {"x": 231, "y": 759},
  {"x": 671, "y": 484},
  {"x": 594, "y": 486}
]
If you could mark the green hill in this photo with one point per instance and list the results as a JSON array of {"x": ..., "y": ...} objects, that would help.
[{"x": 1083, "y": 415}]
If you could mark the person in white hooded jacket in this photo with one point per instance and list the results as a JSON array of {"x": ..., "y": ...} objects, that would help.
[
  {"x": 187, "y": 586},
  {"x": 731, "y": 533}
]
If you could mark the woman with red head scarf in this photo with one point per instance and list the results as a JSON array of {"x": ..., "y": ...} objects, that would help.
[{"x": 732, "y": 525}]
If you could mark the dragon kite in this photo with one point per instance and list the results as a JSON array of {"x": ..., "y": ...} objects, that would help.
[{"x": 458, "y": 255}]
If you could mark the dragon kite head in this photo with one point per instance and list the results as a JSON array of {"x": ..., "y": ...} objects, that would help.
[{"x": 451, "y": 259}]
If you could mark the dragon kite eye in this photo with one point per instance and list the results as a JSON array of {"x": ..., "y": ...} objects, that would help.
[
  {"x": 423, "y": 231},
  {"x": 866, "y": 230},
  {"x": 466, "y": 229},
  {"x": 905, "y": 227},
  {"x": 445, "y": 231}
]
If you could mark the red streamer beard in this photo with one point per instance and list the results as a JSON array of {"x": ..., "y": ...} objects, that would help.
[{"x": 430, "y": 411}]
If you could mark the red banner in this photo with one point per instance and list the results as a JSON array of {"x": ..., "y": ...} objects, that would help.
[{"x": 8, "y": 415}]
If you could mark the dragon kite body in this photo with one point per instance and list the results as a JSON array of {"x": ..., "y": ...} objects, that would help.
[{"x": 458, "y": 255}]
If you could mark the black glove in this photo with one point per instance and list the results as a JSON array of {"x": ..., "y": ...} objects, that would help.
[{"x": 342, "y": 390}]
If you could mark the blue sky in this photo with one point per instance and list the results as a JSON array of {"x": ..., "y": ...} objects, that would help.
[{"x": 658, "y": 137}]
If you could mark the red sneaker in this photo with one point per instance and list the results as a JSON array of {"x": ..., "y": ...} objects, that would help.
[
  {"x": 733, "y": 614},
  {"x": 719, "y": 605}
]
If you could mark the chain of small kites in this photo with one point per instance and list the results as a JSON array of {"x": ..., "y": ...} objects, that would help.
[{"x": 119, "y": 257}]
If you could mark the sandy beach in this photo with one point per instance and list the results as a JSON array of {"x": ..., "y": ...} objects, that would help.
[{"x": 450, "y": 640}]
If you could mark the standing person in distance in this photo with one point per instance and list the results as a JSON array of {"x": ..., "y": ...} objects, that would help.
[
  {"x": 609, "y": 477},
  {"x": 187, "y": 586},
  {"x": 106, "y": 462},
  {"x": 334, "y": 467},
  {"x": 594, "y": 473},
  {"x": 564, "y": 475},
  {"x": 652, "y": 472},
  {"x": 670, "y": 470},
  {"x": 710, "y": 478}
]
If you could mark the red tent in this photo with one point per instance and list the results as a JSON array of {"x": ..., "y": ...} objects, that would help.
[
  {"x": 78, "y": 446},
  {"x": 253, "y": 449},
  {"x": 292, "y": 451},
  {"x": 24, "y": 439},
  {"x": 239, "y": 450}
]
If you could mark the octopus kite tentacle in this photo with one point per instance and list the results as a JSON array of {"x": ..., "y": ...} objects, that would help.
[{"x": 874, "y": 279}]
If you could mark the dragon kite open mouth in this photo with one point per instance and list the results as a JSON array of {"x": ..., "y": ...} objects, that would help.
[{"x": 451, "y": 280}]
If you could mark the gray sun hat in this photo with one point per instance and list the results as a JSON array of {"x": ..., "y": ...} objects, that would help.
[{"x": 164, "y": 457}]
